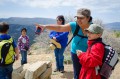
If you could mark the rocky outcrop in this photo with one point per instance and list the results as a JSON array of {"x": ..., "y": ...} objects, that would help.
[{"x": 37, "y": 70}]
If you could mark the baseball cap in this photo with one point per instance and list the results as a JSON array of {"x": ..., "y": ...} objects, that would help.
[
  {"x": 82, "y": 12},
  {"x": 95, "y": 28}
]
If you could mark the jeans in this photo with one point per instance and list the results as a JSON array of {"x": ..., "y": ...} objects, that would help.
[
  {"x": 59, "y": 58},
  {"x": 76, "y": 65},
  {"x": 24, "y": 57},
  {"x": 6, "y": 72}
]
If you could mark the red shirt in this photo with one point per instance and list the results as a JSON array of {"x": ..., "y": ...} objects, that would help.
[{"x": 90, "y": 60}]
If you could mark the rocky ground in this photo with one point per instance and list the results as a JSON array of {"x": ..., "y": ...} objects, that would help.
[
  {"x": 50, "y": 57},
  {"x": 68, "y": 67}
]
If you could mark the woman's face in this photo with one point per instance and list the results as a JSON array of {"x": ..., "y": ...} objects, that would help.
[
  {"x": 59, "y": 22},
  {"x": 23, "y": 32},
  {"x": 82, "y": 20}
]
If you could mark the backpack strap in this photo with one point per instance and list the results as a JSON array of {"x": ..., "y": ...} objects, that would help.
[
  {"x": 97, "y": 42},
  {"x": 77, "y": 30},
  {"x": 76, "y": 33},
  {"x": 4, "y": 51}
]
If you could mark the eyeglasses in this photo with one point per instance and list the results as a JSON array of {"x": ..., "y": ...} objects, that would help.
[{"x": 80, "y": 18}]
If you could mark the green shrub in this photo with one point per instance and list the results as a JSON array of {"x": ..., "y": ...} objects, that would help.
[
  {"x": 117, "y": 34},
  {"x": 67, "y": 59}
]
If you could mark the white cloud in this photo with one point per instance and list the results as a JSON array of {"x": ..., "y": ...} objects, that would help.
[
  {"x": 101, "y": 6},
  {"x": 93, "y": 4}
]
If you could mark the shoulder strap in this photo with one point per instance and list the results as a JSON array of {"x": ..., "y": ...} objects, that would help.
[
  {"x": 76, "y": 30},
  {"x": 97, "y": 42},
  {"x": 75, "y": 33}
]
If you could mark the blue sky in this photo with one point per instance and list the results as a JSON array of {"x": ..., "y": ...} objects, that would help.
[{"x": 106, "y": 10}]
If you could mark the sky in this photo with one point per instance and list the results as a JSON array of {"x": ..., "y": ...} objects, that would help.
[{"x": 106, "y": 10}]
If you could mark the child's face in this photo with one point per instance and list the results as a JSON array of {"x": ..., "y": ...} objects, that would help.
[
  {"x": 23, "y": 33},
  {"x": 92, "y": 36}
]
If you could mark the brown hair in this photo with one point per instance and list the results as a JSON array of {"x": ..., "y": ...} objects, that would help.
[
  {"x": 4, "y": 27},
  {"x": 61, "y": 18}
]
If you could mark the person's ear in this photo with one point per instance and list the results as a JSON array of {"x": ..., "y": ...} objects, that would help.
[
  {"x": 88, "y": 18},
  {"x": 99, "y": 35}
]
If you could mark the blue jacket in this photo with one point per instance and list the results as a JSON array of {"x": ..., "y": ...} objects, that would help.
[
  {"x": 7, "y": 37},
  {"x": 62, "y": 37}
]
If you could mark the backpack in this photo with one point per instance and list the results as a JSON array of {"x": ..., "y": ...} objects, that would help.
[
  {"x": 110, "y": 59},
  {"x": 7, "y": 54},
  {"x": 76, "y": 33}
]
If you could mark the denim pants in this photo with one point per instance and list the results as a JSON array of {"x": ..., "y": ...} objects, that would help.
[
  {"x": 59, "y": 58},
  {"x": 24, "y": 57},
  {"x": 6, "y": 72},
  {"x": 76, "y": 65}
]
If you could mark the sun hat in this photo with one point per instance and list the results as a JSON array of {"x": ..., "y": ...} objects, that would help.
[
  {"x": 95, "y": 28},
  {"x": 54, "y": 44}
]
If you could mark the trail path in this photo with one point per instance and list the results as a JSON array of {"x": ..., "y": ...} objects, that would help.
[{"x": 50, "y": 57}]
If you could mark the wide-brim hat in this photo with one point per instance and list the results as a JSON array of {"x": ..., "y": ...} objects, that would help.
[{"x": 54, "y": 44}]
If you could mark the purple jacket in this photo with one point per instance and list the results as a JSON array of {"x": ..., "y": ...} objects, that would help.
[{"x": 23, "y": 42}]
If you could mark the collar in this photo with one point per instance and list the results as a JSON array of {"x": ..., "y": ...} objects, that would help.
[
  {"x": 24, "y": 36},
  {"x": 4, "y": 36},
  {"x": 90, "y": 42}
]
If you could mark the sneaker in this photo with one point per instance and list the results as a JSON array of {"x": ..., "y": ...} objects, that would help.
[
  {"x": 62, "y": 71},
  {"x": 56, "y": 70}
]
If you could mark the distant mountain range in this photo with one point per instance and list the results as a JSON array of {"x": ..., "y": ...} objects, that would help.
[
  {"x": 27, "y": 21},
  {"x": 113, "y": 26},
  {"x": 16, "y": 24}
]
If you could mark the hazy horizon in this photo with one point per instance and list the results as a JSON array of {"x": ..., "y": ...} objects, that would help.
[{"x": 105, "y": 10}]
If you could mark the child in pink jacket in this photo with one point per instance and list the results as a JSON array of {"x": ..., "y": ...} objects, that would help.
[
  {"x": 91, "y": 60},
  {"x": 23, "y": 45}
]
